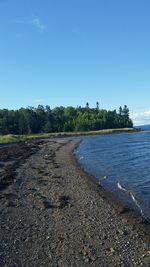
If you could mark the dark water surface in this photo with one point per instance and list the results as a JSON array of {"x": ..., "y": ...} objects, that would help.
[{"x": 121, "y": 164}]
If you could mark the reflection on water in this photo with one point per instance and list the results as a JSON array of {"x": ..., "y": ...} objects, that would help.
[{"x": 123, "y": 159}]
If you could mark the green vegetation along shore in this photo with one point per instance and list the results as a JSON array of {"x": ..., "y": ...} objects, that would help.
[
  {"x": 10, "y": 138},
  {"x": 62, "y": 119}
]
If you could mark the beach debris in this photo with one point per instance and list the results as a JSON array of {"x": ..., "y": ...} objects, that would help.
[
  {"x": 47, "y": 204},
  {"x": 64, "y": 201}
]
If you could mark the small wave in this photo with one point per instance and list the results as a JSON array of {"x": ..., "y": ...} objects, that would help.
[
  {"x": 102, "y": 178},
  {"x": 137, "y": 204},
  {"x": 132, "y": 197},
  {"x": 122, "y": 188}
]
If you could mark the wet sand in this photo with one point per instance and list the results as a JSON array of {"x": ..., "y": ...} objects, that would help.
[{"x": 53, "y": 214}]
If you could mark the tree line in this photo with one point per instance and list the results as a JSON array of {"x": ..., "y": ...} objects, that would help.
[{"x": 62, "y": 119}]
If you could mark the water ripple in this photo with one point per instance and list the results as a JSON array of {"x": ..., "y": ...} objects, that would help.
[{"x": 123, "y": 159}]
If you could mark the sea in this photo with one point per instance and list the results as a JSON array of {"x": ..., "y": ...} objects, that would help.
[{"x": 121, "y": 164}]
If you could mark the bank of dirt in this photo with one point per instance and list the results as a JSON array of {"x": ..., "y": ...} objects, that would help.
[{"x": 52, "y": 214}]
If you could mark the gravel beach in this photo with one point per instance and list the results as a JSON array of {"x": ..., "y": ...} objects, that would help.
[{"x": 52, "y": 214}]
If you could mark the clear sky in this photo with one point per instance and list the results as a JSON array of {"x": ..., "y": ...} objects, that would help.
[{"x": 69, "y": 52}]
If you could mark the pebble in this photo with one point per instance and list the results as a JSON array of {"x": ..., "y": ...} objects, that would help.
[{"x": 112, "y": 250}]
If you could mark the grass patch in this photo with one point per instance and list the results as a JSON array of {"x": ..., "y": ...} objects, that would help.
[
  {"x": 10, "y": 138},
  {"x": 6, "y": 139}
]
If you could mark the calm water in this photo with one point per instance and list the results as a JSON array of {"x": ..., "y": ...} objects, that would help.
[{"x": 121, "y": 164}]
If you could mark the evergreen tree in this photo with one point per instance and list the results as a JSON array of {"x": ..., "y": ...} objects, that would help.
[
  {"x": 125, "y": 111},
  {"x": 43, "y": 119},
  {"x": 120, "y": 110}
]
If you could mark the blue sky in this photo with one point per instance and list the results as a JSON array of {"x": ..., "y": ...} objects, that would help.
[{"x": 69, "y": 52}]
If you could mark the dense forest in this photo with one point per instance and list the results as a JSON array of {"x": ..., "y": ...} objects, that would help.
[{"x": 62, "y": 119}]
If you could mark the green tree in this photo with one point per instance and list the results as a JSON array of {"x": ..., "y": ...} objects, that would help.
[
  {"x": 125, "y": 111},
  {"x": 97, "y": 106},
  {"x": 43, "y": 119}
]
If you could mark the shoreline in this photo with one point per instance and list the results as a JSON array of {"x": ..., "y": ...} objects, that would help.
[
  {"x": 54, "y": 214},
  {"x": 133, "y": 217},
  {"x": 13, "y": 139}
]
